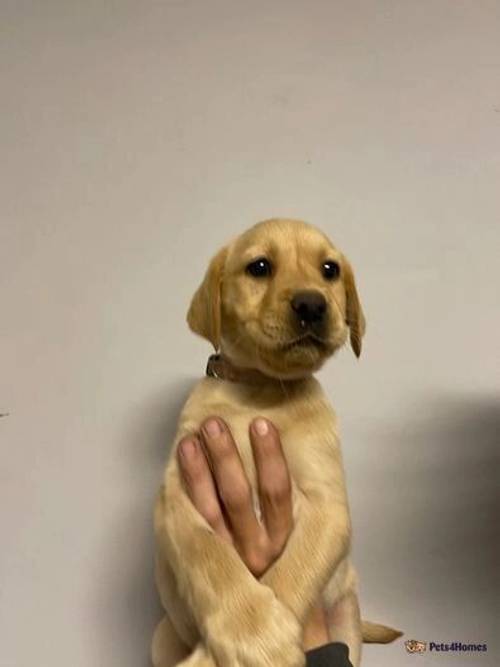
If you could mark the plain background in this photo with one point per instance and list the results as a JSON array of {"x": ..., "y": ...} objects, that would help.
[{"x": 136, "y": 138}]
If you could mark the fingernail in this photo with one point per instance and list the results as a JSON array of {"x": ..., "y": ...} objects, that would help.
[
  {"x": 187, "y": 448},
  {"x": 212, "y": 427},
  {"x": 261, "y": 426}
]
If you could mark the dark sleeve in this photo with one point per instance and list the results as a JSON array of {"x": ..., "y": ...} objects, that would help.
[{"x": 329, "y": 655}]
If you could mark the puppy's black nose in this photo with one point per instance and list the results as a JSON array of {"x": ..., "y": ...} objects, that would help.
[{"x": 309, "y": 307}]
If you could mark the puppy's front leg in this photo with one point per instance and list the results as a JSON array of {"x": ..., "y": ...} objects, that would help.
[
  {"x": 319, "y": 541},
  {"x": 241, "y": 621}
]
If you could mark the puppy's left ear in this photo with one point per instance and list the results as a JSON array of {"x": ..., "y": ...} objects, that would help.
[
  {"x": 204, "y": 314},
  {"x": 354, "y": 313}
]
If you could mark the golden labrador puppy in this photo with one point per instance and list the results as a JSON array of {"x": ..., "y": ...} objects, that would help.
[{"x": 277, "y": 302}]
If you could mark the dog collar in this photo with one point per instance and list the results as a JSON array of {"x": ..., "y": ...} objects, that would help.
[
  {"x": 214, "y": 367},
  {"x": 221, "y": 368}
]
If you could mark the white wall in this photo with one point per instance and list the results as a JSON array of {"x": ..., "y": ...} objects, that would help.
[{"x": 139, "y": 136}]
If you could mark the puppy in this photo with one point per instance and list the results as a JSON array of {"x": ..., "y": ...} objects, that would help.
[{"x": 277, "y": 302}]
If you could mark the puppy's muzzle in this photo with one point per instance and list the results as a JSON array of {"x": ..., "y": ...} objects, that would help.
[{"x": 309, "y": 310}]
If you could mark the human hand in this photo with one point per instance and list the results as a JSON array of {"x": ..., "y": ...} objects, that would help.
[{"x": 219, "y": 489}]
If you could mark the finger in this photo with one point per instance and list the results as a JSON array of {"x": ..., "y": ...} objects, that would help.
[
  {"x": 232, "y": 483},
  {"x": 200, "y": 485},
  {"x": 275, "y": 488}
]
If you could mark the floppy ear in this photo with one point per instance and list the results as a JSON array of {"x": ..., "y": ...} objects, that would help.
[
  {"x": 204, "y": 314},
  {"x": 354, "y": 313}
]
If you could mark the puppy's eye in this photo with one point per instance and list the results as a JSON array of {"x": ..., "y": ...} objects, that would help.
[
  {"x": 259, "y": 268},
  {"x": 330, "y": 269}
]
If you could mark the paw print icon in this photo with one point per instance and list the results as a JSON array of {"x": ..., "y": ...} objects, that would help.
[{"x": 415, "y": 646}]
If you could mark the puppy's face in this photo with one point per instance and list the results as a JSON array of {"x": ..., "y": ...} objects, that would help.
[{"x": 281, "y": 298}]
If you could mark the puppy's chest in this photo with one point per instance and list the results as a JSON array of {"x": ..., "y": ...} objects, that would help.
[{"x": 305, "y": 422}]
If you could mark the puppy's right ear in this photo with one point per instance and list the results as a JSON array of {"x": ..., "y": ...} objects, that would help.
[{"x": 204, "y": 314}]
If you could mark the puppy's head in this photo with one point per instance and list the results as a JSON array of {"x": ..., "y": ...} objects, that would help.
[{"x": 280, "y": 298}]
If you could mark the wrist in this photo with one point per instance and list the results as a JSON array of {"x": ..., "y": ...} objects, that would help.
[{"x": 315, "y": 632}]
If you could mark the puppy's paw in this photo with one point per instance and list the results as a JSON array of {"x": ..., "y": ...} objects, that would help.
[{"x": 256, "y": 632}]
